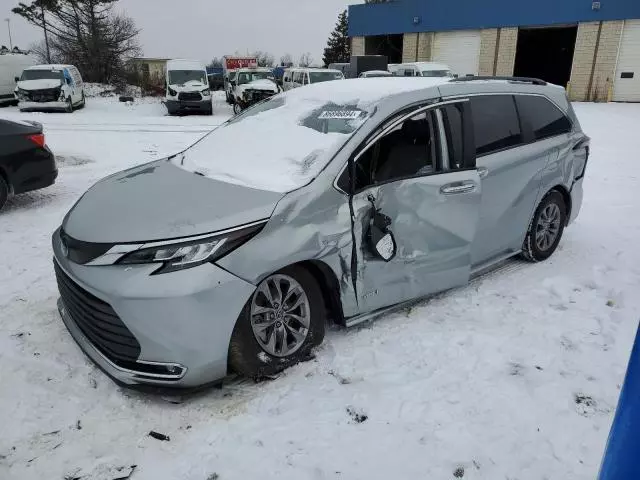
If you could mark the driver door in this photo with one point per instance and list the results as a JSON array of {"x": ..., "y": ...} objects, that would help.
[{"x": 423, "y": 178}]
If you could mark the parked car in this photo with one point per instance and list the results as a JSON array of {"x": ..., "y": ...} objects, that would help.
[
  {"x": 187, "y": 88},
  {"x": 252, "y": 85},
  {"x": 26, "y": 163},
  {"x": 298, "y": 77},
  {"x": 325, "y": 202},
  {"x": 422, "y": 69},
  {"x": 11, "y": 67},
  {"x": 230, "y": 66},
  {"x": 50, "y": 87},
  {"x": 375, "y": 73}
]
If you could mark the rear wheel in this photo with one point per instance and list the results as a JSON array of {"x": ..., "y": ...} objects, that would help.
[
  {"x": 83, "y": 102},
  {"x": 280, "y": 324},
  {"x": 69, "y": 106},
  {"x": 546, "y": 228},
  {"x": 4, "y": 192}
]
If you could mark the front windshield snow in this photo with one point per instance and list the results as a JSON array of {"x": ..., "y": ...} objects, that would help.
[
  {"x": 246, "y": 77},
  {"x": 180, "y": 77}
]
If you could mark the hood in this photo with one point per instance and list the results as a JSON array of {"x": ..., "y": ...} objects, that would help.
[
  {"x": 40, "y": 84},
  {"x": 190, "y": 86},
  {"x": 267, "y": 85},
  {"x": 158, "y": 201}
]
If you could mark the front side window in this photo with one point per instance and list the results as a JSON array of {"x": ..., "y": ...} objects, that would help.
[
  {"x": 410, "y": 150},
  {"x": 544, "y": 118},
  {"x": 180, "y": 77},
  {"x": 436, "y": 73},
  {"x": 495, "y": 123},
  {"x": 408, "y": 72}
]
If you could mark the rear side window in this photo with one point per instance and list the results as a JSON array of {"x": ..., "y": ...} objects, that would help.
[
  {"x": 495, "y": 123},
  {"x": 544, "y": 118}
]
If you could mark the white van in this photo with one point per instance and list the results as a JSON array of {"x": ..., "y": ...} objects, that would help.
[
  {"x": 11, "y": 67},
  {"x": 50, "y": 87},
  {"x": 297, "y": 77},
  {"x": 187, "y": 87},
  {"x": 421, "y": 69}
]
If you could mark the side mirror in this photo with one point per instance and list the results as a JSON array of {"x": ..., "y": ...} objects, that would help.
[
  {"x": 17, "y": 79},
  {"x": 382, "y": 242}
]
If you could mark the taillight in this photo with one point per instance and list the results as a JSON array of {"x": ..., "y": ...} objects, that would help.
[{"x": 38, "y": 139}]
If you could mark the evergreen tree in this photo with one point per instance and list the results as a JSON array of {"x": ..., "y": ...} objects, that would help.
[{"x": 338, "y": 48}]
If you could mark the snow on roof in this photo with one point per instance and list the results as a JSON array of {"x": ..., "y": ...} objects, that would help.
[
  {"x": 278, "y": 146},
  {"x": 184, "y": 64},
  {"x": 53, "y": 66}
]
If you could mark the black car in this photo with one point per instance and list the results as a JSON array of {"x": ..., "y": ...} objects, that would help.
[{"x": 26, "y": 163}]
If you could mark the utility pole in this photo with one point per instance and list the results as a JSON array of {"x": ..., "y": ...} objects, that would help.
[
  {"x": 9, "y": 28},
  {"x": 46, "y": 36}
]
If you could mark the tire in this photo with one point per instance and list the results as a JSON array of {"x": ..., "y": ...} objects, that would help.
[
  {"x": 546, "y": 228},
  {"x": 255, "y": 359},
  {"x": 236, "y": 108},
  {"x": 83, "y": 102},
  {"x": 69, "y": 107},
  {"x": 4, "y": 192}
]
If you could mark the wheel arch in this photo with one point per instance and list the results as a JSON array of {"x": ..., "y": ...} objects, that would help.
[
  {"x": 329, "y": 285},
  {"x": 566, "y": 195}
]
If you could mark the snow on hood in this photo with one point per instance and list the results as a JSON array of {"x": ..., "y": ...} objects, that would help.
[
  {"x": 261, "y": 84},
  {"x": 40, "y": 84},
  {"x": 274, "y": 145},
  {"x": 190, "y": 86}
]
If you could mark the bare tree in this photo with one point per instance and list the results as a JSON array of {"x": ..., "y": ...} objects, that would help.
[
  {"x": 305, "y": 60},
  {"x": 265, "y": 59},
  {"x": 286, "y": 60},
  {"x": 86, "y": 33},
  {"x": 215, "y": 62}
]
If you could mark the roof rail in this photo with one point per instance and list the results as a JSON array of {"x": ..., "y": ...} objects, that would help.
[{"x": 533, "y": 81}]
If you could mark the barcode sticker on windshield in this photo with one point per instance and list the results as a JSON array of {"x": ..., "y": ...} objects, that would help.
[{"x": 340, "y": 114}]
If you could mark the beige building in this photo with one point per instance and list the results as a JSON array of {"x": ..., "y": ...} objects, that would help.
[
  {"x": 150, "y": 71},
  {"x": 595, "y": 60}
]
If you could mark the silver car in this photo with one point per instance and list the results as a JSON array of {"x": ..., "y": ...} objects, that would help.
[{"x": 335, "y": 202}]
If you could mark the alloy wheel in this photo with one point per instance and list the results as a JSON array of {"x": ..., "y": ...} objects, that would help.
[
  {"x": 548, "y": 226},
  {"x": 280, "y": 315}
]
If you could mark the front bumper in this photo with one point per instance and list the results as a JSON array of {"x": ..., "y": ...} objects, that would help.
[
  {"x": 44, "y": 106},
  {"x": 174, "y": 106},
  {"x": 182, "y": 321}
]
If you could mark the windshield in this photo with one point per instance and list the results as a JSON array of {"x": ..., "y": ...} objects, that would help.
[
  {"x": 317, "y": 77},
  {"x": 292, "y": 139},
  {"x": 246, "y": 77},
  {"x": 436, "y": 73},
  {"x": 42, "y": 74},
  {"x": 180, "y": 77}
]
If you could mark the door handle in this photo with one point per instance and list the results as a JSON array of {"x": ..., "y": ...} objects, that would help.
[
  {"x": 458, "y": 188},
  {"x": 483, "y": 171}
]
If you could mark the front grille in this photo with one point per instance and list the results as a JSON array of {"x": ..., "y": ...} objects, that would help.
[
  {"x": 83, "y": 252},
  {"x": 99, "y": 322},
  {"x": 259, "y": 95},
  {"x": 189, "y": 96},
  {"x": 44, "y": 95}
]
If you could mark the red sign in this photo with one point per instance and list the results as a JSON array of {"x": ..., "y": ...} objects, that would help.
[{"x": 233, "y": 63}]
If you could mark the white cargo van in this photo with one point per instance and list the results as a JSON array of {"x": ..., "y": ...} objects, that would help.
[
  {"x": 187, "y": 87},
  {"x": 50, "y": 87},
  {"x": 11, "y": 67},
  {"x": 297, "y": 77},
  {"x": 422, "y": 69}
]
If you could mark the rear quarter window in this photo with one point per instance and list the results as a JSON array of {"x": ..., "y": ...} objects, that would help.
[
  {"x": 543, "y": 117},
  {"x": 495, "y": 123}
]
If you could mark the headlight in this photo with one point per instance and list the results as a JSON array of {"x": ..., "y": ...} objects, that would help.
[
  {"x": 206, "y": 92},
  {"x": 172, "y": 92},
  {"x": 188, "y": 253}
]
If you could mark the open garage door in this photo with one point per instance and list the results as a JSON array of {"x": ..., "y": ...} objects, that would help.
[
  {"x": 626, "y": 87},
  {"x": 459, "y": 49}
]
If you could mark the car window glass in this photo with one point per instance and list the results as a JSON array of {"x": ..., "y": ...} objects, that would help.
[
  {"x": 546, "y": 120},
  {"x": 409, "y": 150},
  {"x": 495, "y": 122},
  {"x": 408, "y": 72},
  {"x": 452, "y": 118}
]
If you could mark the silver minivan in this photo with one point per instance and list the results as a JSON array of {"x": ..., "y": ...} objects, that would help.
[{"x": 350, "y": 199}]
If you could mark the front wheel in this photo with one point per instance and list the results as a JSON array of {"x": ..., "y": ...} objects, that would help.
[
  {"x": 280, "y": 324},
  {"x": 236, "y": 108},
  {"x": 546, "y": 228},
  {"x": 4, "y": 192}
]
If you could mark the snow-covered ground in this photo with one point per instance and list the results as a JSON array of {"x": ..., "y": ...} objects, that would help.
[{"x": 515, "y": 376}]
